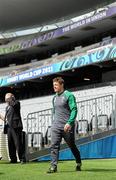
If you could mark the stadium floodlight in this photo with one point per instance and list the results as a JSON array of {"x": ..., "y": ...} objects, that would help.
[
  {"x": 55, "y": 55},
  {"x": 73, "y": 70},
  {"x": 114, "y": 60},
  {"x": 78, "y": 47},
  {"x": 86, "y": 79},
  {"x": 12, "y": 65},
  {"x": 33, "y": 60}
]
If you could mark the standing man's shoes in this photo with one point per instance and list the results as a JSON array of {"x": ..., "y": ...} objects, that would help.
[
  {"x": 12, "y": 161},
  {"x": 52, "y": 169},
  {"x": 23, "y": 161},
  {"x": 78, "y": 167}
]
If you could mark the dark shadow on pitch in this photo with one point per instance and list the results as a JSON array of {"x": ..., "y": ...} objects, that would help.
[
  {"x": 1, "y": 173},
  {"x": 100, "y": 170},
  {"x": 68, "y": 171},
  {"x": 88, "y": 170}
]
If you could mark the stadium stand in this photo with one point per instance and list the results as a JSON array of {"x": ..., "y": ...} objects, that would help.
[
  {"x": 93, "y": 84},
  {"x": 13, "y": 70}
]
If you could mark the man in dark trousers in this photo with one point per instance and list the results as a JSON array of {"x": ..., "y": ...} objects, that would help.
[
  {"x": 64, "y": 114},
  {"x": 15, "y": 135}
]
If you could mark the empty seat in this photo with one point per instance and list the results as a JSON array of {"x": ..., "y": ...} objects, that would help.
[
  {"x": 35, "y": 139},
  {"x": 99, "y": 122},
  {"x": 103, "y": 121},
  {"x": 82, "y": 126}
]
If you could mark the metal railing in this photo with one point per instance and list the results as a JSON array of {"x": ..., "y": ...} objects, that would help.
[
  {"x": 37, "y": 127},
  {"x": 94, "y": 116}
]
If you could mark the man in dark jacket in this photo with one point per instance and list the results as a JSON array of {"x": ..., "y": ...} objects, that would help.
[{"x": 13, "y": 117}]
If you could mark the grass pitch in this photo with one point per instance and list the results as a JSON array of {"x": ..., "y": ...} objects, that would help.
[{"x": 104, "y": 169}]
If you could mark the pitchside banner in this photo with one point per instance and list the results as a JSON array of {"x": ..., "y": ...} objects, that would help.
[
  {"x": 106, "y": 54},
  {"x": 24, "y": 44}
]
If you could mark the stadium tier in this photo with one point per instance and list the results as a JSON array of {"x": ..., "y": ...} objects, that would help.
[
  {"x": 13, "y": 70},
  {"x": 84, "y": 54}
]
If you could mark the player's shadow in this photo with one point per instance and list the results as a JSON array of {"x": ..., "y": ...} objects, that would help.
[
  {"x": 1, "y": 173},
  {"x": 88, "y": 170},
  {"x": 100, "y": 170}
]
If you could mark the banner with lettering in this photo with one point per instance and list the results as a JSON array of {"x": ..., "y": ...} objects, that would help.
[
  {"x": 36, "y": 40},
  {"x": 106, "y": 54}
]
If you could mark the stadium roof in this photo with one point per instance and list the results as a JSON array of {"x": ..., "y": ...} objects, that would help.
[
  {"x": 89, "y": 25},
  {"x": 24, "y": 14}
]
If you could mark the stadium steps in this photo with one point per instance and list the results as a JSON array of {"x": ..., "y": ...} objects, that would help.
[{"x": 84, "y": 140}]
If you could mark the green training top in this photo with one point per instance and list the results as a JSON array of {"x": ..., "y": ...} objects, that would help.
[{"x": 64, "y": 109}]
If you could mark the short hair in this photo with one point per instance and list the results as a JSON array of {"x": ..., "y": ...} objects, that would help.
[
  {"x": 60, "y": 80},
  {"x": 9, "y": 95}
]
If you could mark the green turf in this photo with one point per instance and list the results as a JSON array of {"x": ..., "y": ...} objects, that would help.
[{"x": 91, "y": 170}]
